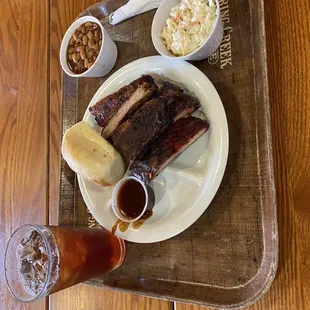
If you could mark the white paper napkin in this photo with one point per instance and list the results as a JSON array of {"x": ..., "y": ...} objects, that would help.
[{"x": 133, "y": 8}]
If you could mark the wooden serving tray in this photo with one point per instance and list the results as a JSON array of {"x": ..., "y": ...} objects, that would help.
[{"x": 228, "y": 258}]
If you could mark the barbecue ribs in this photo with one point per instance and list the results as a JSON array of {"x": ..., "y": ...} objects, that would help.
[{"x": 173, "y": 141}]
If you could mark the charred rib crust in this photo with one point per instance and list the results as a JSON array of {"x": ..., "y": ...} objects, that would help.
[
  {"x": 180, "y": 103},
  {"x": 134, "y": 135},
  {"x": 168, "y": 145}
]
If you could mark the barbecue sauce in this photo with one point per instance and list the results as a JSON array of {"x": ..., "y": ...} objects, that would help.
[
  {"x": 131, "y": 199},
  {"x": 138, "y": 223},
  {"x": 123, "y": 226}
]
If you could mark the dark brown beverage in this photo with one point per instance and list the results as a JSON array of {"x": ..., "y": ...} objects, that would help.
[
  {"x": 41, "y": 260},
  {"x": 84, "y": 253}
]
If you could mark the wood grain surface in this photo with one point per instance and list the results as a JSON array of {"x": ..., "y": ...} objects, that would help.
[
  {"x": 24, "y": 60},
  {"x": 25, "y": 142},
  {"x": 83, "y": 297}
]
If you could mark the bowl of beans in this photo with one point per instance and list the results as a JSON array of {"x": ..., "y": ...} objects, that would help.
[{"x": 87, "y": 50}]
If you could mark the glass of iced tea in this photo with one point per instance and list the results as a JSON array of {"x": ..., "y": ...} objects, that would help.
[{"x": 42, "y": 260}]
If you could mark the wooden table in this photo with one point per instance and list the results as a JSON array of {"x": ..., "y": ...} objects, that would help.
[{"x": 30, "y": 88}]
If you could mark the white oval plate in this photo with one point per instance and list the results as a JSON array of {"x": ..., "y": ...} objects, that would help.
[{"x": 185, "y": 188}]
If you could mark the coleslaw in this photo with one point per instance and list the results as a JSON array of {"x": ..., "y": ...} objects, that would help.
[{"x": 189, "y": 24}]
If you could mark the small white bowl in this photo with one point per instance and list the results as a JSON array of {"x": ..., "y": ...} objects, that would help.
[
  {"x": 114, "y": 202},
  {"x": 207, "y": 48},
  {"x": 106, "y": 58}
]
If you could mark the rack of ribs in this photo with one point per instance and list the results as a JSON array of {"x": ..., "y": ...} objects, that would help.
[
  {"x": 136, "y": 133},
  {"x": 112, "y": 110},
  {"x": 173, "y": 141},
  {"x": 132, "y": 138}
]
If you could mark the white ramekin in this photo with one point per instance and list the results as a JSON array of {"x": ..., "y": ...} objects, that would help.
[
  {"x": 107, "y": 55},
  {"x": 206, "y": 49},
  {"x": 114, "y": 202}
]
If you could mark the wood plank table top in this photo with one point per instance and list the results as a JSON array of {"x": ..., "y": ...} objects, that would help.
[{"x": 30, "y": 89}]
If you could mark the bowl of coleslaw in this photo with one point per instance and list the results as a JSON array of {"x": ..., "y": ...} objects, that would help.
[{"x": 187, "y": 29}]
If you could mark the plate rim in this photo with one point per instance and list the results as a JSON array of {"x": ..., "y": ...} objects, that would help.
[{"x": 218, "y": 177}]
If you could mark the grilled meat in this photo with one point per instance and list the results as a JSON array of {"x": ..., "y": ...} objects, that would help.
[
  {"x": 135, "y": 134},
  {"x": 180, "y": 104},
  {"x": 131, "y": 120},
  {"x": 174, "y": 140},
  {"x": 165, "y": 86},
  {"x": 110, "y": 111}
]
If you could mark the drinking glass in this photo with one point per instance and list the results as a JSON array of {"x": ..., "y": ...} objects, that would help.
[{"x": 42, "y": 260}]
